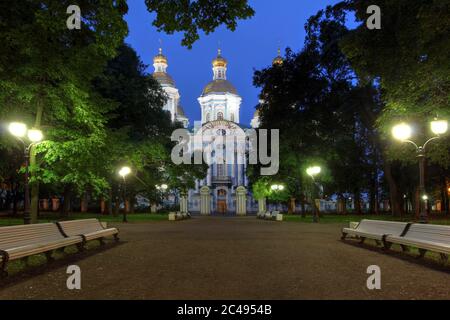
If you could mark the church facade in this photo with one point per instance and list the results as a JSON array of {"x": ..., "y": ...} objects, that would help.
[{"x": 225, "y": 187}]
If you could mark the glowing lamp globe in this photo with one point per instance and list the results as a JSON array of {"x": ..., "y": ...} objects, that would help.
[
  {"x": 312, "y": 171},
  {"x": 439, "y": 126},
  {"x": 17, "y": 129},
  {"x": 124, "y": 171},
  {"x": 402, "y": 131},
  {"x": 35, "y": 135}
]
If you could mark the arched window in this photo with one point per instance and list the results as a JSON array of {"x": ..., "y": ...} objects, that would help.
[
  {"x": 232, "y": 117},
  {"x": 220, "y": 116},
  {"x": 207, "y": 117}
]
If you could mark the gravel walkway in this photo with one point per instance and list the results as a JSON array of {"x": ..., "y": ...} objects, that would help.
[{"x": 232, "y": 258}]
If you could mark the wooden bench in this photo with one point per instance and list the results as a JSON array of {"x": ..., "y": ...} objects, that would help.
[
  {"x": 87, "y": 229},
  {"x": 425, "y": 237},
  {"x": 375, "y": 229},
  {"x": 22, "y": 241}
]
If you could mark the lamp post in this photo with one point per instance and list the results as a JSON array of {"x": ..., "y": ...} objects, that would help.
[
  {"x": 20, "y": 131},
  {"x": 403, "y": 133},
  {"x": 123, "y": 173},
  {"x": 277, "y": 188},
  {"x": 312, "y": 172}
]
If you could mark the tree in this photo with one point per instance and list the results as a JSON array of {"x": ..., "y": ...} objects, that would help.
[
  {"x": 191, "y": 17},
  {"x": 45, "y": 71},
  {"x": 411, "y": 68}
]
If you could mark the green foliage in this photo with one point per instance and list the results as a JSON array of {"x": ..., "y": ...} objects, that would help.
[
  {"x": 411, "y": 64},
  {"x": 191, "y": 17}
]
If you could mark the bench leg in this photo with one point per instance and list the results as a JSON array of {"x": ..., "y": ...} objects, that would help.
[
  {"x": 3, "y": 266},
  {"x": 387, "y": 245},
  {"x": 421, "y": 253},
  {"x": 116, "y": 237},
  {"x": 361, "y": 240},
  {"x": 378, "y": 242},
  {"x": 404, "y": 248},
  {"x": 49, "y": 256},
  {"x": 344, "y": 235},
  {"x": 444, "y": 258},
  {"x": 80, "y": 247},
  {"x": 102, "y": 241}
]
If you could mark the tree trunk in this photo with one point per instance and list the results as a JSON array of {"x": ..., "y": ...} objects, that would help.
[
  {"x": 132, "y": 202},
  {"x": 396, "y": 198},
  {"x": 444, "y": 193},
  {"x": 67, "y": 207},
  {"x": 302, "y": 205},
  {"x": 110, "y": 202},
  {"x": 15, "y": 199},
  {"x": 373, "y": 193},
  {"x": 357, "y": 197},
  {"x": 84, "y": 203},
  {"x": 291, "y": 206}
]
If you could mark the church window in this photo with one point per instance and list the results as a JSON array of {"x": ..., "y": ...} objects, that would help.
[
  {"x": 220, "y": 116},
  {"x": 220, "y": 172}
]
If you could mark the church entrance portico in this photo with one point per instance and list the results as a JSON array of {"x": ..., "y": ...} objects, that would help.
[{"x": 222, "y": 201}]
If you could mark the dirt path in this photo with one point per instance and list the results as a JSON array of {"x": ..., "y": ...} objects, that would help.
[{"x": 232, "y": 258}]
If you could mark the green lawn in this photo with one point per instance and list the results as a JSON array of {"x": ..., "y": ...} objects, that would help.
[
  {"x": 50, "y": 217},
  {"x": 345, "y": 219}
]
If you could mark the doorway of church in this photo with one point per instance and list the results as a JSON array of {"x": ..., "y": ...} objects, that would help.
[{"x": 221, "y": 206}]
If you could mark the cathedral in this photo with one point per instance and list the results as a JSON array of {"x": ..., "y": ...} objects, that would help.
[{"x": 220, "y": 105}]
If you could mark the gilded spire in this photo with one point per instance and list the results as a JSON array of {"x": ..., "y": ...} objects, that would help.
[
  {"x": 219, "y": 61},
  {"x": 278, "y": 61},
  {"x": 160, "y": 58}
]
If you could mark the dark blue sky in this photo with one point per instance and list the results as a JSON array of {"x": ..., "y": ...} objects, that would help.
[{"x": 252, "y": 46}]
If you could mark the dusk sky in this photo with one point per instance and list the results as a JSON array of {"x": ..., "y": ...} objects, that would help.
[{"x": 251, "y": 47}]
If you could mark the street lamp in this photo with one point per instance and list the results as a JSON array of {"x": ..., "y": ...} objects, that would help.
[
  {"x": 123, "y": 172},
  {"x": 312, "y": 172},
  {"x": 403, "y": 133},
  {"x": 20, "y": 131}
]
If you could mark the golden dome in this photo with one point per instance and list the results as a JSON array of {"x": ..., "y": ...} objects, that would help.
[
  {"x": 219, "y": 61},
  {"x": 180, "y": 111},
  {"x": 278, "y": 61},
  {"x": 160, "y": 58},
  {"x": 219, "y": 86},
  {"x": 164, "y": 79}
]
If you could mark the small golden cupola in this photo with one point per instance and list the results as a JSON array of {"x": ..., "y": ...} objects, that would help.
[
  {"x": 160, "y": 64},
  {"x": 278, "y": 61},
  {"x": 160, "y": 58},
  {"x": 220, "y": 67}
]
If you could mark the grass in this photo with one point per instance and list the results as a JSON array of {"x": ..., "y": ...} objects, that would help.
[
  {"x": 345, "y": 219},
  {"x": 51, "y": 217}
]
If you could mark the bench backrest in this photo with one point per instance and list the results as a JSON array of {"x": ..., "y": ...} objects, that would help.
[
  {"x": 78, "y": 227},
  {"x": 17, "y": 236},
  {"x": 382, "y": 227},
  {"x": 429, "y": 232}
]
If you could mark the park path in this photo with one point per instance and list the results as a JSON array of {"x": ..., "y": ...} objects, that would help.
[{"x": 232, "y": 258}]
